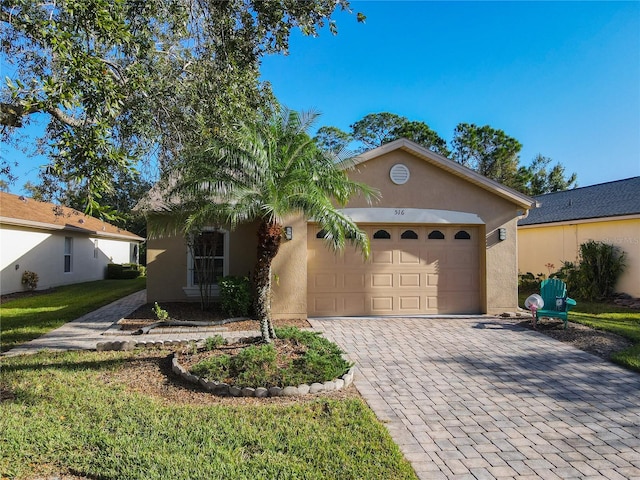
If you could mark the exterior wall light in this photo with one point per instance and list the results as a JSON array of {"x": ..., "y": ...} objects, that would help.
[
  {"x": 502, "y": 234},
  {"x": 288, "y": 233}
]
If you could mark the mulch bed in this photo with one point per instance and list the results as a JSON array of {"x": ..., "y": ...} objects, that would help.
[
  {"x": 596, "y": 342},
  {"x": 186, "y": 311}
]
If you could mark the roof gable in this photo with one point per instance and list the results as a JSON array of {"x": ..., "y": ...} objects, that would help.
[
  {"x": 611, "y": 199},
  {"x": 26, "y": 212},
  {"x": 448, "y": 165}
]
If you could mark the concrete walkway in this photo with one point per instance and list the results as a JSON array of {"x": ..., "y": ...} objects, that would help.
[
  {"x": 87, "y": 331},
  {"x": 483, "y": 399}
]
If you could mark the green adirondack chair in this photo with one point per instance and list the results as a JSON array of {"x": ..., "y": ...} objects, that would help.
[{"x": 556, "y": 303}]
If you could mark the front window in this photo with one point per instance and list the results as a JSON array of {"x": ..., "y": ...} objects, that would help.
[{"x": 207, "y": 260}]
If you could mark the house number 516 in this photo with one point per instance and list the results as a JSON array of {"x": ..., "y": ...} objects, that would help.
[{"x": 399, "y": 211}]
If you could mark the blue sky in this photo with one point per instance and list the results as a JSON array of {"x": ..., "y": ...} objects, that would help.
[{"x": 561, "y": 77}]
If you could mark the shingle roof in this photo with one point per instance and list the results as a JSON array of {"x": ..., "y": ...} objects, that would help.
[
  {"x": 20, "y": 210},
  {"x": 611, "y": 199}
]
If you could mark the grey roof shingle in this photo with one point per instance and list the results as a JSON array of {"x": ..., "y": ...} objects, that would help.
[{"x": 611, "y": 199}]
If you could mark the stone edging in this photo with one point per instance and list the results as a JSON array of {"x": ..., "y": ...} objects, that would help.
[{"x": 224, "y": 389}]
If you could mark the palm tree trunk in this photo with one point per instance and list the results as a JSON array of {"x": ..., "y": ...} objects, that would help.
[{"x": 269, "y": 238}]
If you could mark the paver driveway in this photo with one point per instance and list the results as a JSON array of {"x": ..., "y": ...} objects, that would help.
[{"x": 484, "y": 398}]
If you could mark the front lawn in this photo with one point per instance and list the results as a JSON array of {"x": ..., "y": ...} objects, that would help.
[
  {"x": 622, "y": 321},
  {"x": 25, "y": 318},
  {"x": 612, "y": 318},
  {"x": 111, "y": 415}
]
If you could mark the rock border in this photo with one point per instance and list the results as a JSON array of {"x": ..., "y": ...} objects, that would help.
[{"x": 223, "y": 389}]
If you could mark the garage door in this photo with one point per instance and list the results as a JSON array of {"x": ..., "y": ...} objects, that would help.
[{"x": 412, "y": 270}]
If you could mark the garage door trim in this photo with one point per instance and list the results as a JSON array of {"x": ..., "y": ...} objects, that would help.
[{"x": 411, "y": 215}]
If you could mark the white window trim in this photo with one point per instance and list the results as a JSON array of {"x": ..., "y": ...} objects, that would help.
[
  {"x": 192, "y": 290},
  {"x": 69, "y": 254}
]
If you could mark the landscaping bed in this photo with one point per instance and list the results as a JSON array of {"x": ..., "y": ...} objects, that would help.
[
  {"x": 296, "y": 363},
  {"x": 597, "y": 342},
  {"x": 191, "y": 312}
]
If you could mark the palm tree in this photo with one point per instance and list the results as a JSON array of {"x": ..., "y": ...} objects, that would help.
[{"x": 270, "y": 170}]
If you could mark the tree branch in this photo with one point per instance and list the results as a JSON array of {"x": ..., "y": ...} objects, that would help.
[{"x": 12, "y": 115}]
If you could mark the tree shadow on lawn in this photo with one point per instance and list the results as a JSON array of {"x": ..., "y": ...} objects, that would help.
[{"x": 58, "y": 361}]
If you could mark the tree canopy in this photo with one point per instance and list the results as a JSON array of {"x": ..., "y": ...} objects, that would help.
[
  {"x": 122, "y": 80},
  {"x": 487, "y": 150}
]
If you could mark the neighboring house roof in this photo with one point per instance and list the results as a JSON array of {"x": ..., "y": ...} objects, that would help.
[
  {"x": 611, "y": 199},
  {"x": 26, "y": 212},
  {"x": 449, "y": 165}
]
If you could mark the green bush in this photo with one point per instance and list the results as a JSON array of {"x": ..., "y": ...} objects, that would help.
[
  {"x": 211, "y": 343},
  {"x": 30, "y": 279},
  {"x": 260, "y": 366},
  {"x": 595, "y": 275},
  {"x": 528, "y": 282},
  {"x": 600, "y": 268},
  {"x": 125, "y": 271},
  {"x": 235, "y": 296},
  {"x": 213, "y": 368},
  {"x": 255, "y": 366}
]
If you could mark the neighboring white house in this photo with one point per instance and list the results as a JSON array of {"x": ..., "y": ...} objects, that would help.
[{"x": 61, "y": 245}]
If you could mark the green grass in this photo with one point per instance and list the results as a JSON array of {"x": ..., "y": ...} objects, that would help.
[
  {"x": 612, "y": 318},
  {"x": 65, "y": 415},
  {"x": 26, "y": 318}
]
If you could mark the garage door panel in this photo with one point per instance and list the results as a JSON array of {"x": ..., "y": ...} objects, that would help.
[
  {"x": 382, "y": 257},
  {"x": 354, "y": 304},
  {"x": 325, "y": 305},
  {"x": 410, "y": 257},
  {"x": 409, "y": 279},
  {"x": 402, "y": 276},
  {"x": 409, "y": 303},
  {"x": 354, "y": 281},
  {"x": 382, "y": 305},
  {"x": 381, "y": 280},
  {"x": 323, "y": 281}
]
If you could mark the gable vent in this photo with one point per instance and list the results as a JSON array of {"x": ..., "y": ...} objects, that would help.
[{"x": 399, "y": 174}]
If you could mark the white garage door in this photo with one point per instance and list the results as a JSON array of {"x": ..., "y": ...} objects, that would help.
[{"x": 413, "y": 269}]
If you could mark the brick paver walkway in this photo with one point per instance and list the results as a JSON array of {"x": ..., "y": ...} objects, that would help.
[{"x": 482, "y": 398}]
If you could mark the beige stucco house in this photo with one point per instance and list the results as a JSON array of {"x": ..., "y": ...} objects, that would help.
[
  {"x": 61, "y": 245},
  {"x": 607, "y": 212},
  {"x": 443, "y": 241}
]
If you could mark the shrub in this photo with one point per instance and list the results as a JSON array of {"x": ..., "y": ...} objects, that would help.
[
  {"x": 255, "y": 366},
  {"x": 595, "y": 275},
  {"x": 211, "y": 343},
  {"x": 214, "y": 367},
  {"x": 528, "y": 282},
  {"x": 235, "y": 296},
  {"x": 601, "y": 265},
  {"x": 319, "y": 360},
  {"x": 125, "y": 271},
  {"x": 30, "y": 279}
]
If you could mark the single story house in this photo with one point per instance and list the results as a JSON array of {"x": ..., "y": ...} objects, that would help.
[
  {"x": 443, "y": 241},
  {"x": 607, "y": 212},
  {"x": 61, "y": 245}
]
